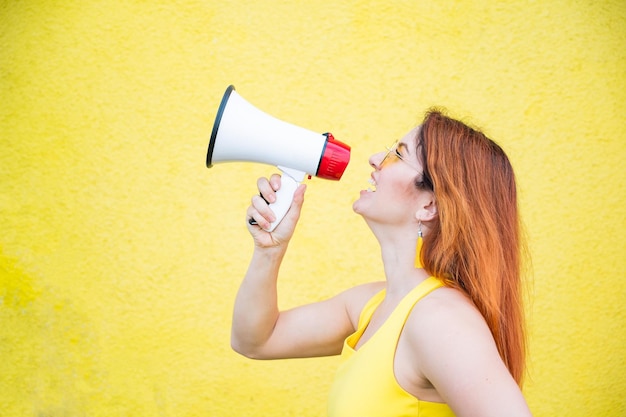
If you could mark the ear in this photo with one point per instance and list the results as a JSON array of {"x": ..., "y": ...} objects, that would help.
[{"x": 427, "y": 209}]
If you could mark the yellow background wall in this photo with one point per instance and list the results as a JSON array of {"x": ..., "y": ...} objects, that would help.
[{"x": 121, "y": 253}]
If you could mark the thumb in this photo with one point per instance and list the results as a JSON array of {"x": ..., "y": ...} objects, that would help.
[
  {"x": 293, "y": 214},
  {"x": 298, "y": 196}
]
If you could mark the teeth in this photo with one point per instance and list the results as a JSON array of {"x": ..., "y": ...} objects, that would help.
[{"x": 371, "y": 189}]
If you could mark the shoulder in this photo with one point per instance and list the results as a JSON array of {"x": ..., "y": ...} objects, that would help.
[
  {"x": 446, "y": 329},
  {"x": 446, "y": 315},
  {"x": 454, "y": 351},
  {"x": 356, "y": 298},
  {"x": 442, "y": 305},
  {"x": 452, "y": 343}
]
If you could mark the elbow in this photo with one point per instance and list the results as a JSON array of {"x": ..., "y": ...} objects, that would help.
[{"x": 243, "y": 349}]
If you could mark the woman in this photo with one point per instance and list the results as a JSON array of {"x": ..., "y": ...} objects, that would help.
[{"x": 442, "y": 335}]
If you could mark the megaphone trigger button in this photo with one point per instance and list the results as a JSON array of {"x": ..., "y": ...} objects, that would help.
[{"x": 309, "y": 176}]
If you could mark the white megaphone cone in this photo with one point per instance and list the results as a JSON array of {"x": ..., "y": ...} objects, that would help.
[{"x": 242, "y": 132}]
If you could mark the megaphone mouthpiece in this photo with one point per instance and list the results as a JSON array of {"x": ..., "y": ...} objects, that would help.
[{"x": 334, "y": 159}]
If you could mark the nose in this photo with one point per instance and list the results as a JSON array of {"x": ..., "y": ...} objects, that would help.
[{"x": 376, "y": 160}]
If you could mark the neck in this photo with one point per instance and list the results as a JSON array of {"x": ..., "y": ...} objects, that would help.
[{"x": 398, "y": 255}]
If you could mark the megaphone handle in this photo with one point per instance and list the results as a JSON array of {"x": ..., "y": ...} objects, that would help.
[{"x": 284, "y": 197}]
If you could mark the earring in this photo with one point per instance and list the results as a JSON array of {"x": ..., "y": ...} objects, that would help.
[{"x": 418, "y": 249}]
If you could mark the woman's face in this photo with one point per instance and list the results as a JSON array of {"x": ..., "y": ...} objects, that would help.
[{"x": 393, "y": 197}]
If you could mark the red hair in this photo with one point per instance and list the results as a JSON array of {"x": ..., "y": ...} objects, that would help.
[{"x": 475, "y": 244}]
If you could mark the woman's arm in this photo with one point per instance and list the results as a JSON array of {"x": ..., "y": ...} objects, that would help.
[{"x": 259, "y": 329}]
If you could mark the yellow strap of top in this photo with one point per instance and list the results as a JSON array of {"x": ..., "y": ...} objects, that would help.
[{"x": 365, "y": 383}]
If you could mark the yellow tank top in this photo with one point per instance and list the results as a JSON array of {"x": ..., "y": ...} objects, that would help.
[{"x": 365, "y": 384}]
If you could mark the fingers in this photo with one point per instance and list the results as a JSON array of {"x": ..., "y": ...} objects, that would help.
[
  {"x": 259, "y": 212},
  {"x": 268, "y": 187}
]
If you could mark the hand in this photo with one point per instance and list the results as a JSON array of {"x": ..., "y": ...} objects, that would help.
[{"x": 262, "y": 214}]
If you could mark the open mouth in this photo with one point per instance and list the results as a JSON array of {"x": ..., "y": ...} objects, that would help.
[{"x": 372, "y": 187}]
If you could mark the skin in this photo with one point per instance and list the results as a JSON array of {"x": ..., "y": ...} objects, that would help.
[{"x": 445, "y": 353}]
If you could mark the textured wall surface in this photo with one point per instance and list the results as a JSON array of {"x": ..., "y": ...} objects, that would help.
[{"x": 120, "y": 253}]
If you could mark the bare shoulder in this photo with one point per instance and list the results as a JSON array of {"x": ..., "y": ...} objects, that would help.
[
  {"x": 448, "y": 311},
  {"x": 454, "y": 351},
  {"x": 356, "y": 297}
]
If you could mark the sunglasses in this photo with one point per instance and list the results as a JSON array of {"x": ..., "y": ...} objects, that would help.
[{"x": 393, "y": 152}]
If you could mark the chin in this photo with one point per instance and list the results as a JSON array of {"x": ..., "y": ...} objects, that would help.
[
  {"x": 358, "y": 207},
  {"x": 357, "y": 203}
]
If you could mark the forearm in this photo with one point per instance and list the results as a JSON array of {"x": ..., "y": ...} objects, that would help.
[{"x": 256, "y": 305}]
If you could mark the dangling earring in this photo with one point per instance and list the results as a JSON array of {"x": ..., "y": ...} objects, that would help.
[{"x": 418, "y": 249}]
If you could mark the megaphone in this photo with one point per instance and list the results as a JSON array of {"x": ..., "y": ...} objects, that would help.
[{"x": 242, "y": 132}]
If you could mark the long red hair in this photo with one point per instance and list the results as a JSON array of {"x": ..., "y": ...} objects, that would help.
[{"x": 475, "y": 244}]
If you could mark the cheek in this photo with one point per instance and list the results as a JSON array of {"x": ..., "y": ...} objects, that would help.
[
  {"x": 403, "y": 189},
  {"x": 397, "y": 199}
]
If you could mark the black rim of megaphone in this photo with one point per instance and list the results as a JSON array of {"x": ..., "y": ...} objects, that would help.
[{"x": 216, "y": 125}]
